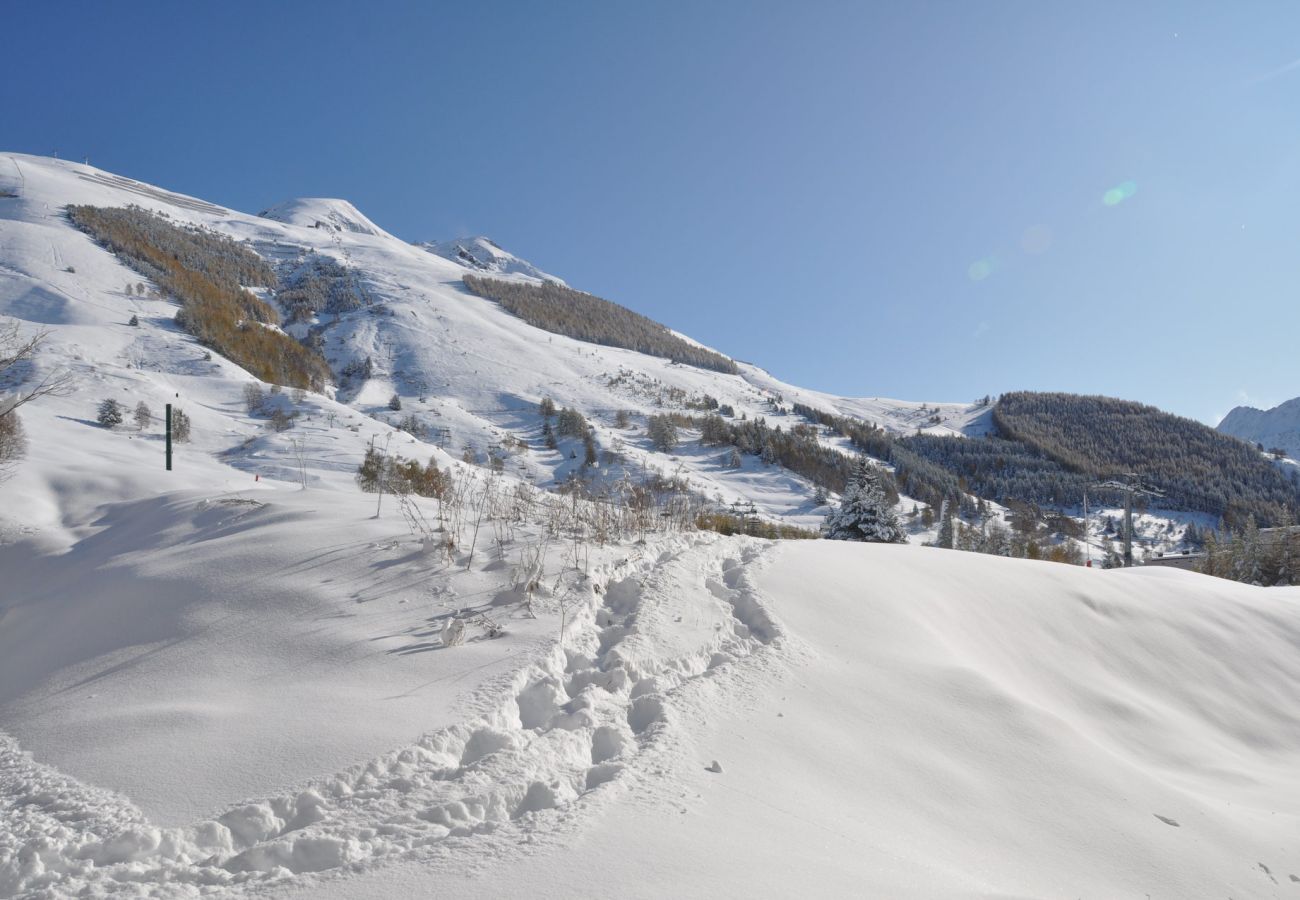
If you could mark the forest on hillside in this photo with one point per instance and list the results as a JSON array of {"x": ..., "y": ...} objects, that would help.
[
  {"x": 206, "y": 273},
  {"x": 586, "y": 317},
  {"x": 1195, "y": 466},
  {"x": 1050, "y": 448}
]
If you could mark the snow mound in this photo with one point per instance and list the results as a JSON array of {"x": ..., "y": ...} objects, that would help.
[
  {"x": 941, "y": 724},
  {"x": 323, "y": 213},
  {"x": 482, "y": 254}
]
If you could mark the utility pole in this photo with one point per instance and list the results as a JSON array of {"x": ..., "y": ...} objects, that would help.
[
  {"x": 1087, "y": 541},
  {"x": 169, "y": 437},
  {"x": 1130, "y": 487}
]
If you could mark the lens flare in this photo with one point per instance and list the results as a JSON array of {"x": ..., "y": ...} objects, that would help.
[
  {"x": 1118, "y": 194},
  {"x": 980, "y": 269}
]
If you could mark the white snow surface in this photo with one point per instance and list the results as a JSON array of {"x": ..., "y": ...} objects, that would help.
[
  {"x": 214, "y": 681},
  {"x": 1276, "y": 427},
  {"x": 899, "y": 721},
  {"x": 483, "y": 256},
  {"x": 323, "y": 213}
]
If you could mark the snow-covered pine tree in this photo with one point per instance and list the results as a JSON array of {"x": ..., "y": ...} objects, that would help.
[
  {"x": 945, "y": 527},
  {"x": 864, "y": 513},
  {"x": 110, "y": 414},
  {"x": 180, "y": 425}
]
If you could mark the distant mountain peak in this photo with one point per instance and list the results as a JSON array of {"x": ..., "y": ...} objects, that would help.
[
  {"x": 1276, "y": 427},
  {"x": 326, "y": 213},
  {"x": 486, "y": 256}
]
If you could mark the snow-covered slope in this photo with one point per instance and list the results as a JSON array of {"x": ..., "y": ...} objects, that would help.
[
  {"x": 817, "y": 718},
  {"x": 323, "y": 213},
  {"x": 230, "y": 678},
  {"x": 1276, "y": 427},
  {"x": 482, "y": 255},
  {"x": 946, "y": 725},
  {"x": 465, "y": 369}
]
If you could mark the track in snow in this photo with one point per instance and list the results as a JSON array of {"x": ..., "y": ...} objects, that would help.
[{"x": 566, "y": 726}]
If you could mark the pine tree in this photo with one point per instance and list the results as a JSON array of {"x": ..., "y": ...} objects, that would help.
[
  {"x": 1286, "y": 562},
  {"x": 394, "y": 402},
  {"x": 143, "y": 415},
  {"x": 180, "y": 426},
  {"x": 945, "y": 527},
  {"x": 864, "y": 513},
  {"x": 110, "y": 414},
  {"x": 663, "y": 433},
  {"x": 548, "y": 436},
  {"x": 368, "y": 473},
  {"x": 546, "y": 408}
]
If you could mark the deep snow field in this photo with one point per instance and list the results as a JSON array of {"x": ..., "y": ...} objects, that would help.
[
  {"x": 216, "y": 696},
  {"x": 230, "y": 680}
]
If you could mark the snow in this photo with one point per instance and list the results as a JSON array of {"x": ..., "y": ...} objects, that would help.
[
  {"x": 1276, "y": 427},
  {"x": 323, "y": 213},
  {"x": 216, "y": 680},
  {"x": 925, "y": 723},
  {"x": 481, "y": 255},
  {"x": 459, "y": 362},
  {"x": 1042, "y": 731}
]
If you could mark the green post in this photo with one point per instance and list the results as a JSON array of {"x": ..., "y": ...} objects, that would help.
[{"x": 169, "y": 437}]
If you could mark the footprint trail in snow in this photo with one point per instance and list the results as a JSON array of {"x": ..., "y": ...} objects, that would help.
[{"x": 568, "y": 724}]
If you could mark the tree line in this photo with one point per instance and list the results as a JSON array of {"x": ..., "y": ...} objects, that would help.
[
  {"x": 206, "y": 273},
  {"x": 1195, "y": 466},
  {"x": 586, "y": 317}
]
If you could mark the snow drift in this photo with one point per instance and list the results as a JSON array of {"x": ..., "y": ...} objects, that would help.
[{"x": 902, "y": 721}]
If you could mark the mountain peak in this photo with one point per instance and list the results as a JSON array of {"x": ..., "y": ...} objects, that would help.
[
  {"x": 1276, "y": 427},
  {"x": 322, "y": 212},
  {"x": 483, "y": 254}
]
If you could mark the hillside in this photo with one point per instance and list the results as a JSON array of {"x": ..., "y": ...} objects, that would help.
[
  {"x": 392, "y": 318},
  {"x": 1276, "y": 428},
  {"x": 1197, "y": 467},
  {"x": 562, "y": 310},
  {"x": 247, "y": 677}
]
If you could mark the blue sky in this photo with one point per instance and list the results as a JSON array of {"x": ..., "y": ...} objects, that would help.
[{"x": 931, "y": 201}]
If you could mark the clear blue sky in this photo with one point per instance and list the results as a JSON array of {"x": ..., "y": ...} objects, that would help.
[{"x": 892, "y": 199}]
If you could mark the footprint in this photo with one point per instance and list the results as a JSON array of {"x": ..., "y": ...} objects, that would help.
[
  {"x": 644, "y": 713},
  {"x": 606, "y": 743}
]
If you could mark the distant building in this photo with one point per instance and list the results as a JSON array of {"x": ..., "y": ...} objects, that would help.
[
  {"x": 1184, "y": 559},
  {"x": 1271, "y": 536}
]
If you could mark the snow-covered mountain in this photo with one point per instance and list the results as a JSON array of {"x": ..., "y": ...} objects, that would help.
[
  {"x": 1278, "y": 427},
  {"x": 484, "y": 256},
  {"x": 467, "y": 371},
  {"x": 244, "y": 677},
  {"x": 323, "y": 213}
]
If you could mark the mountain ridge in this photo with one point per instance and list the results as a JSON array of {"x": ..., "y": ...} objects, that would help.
[{"x": 1278, "y": 427}]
